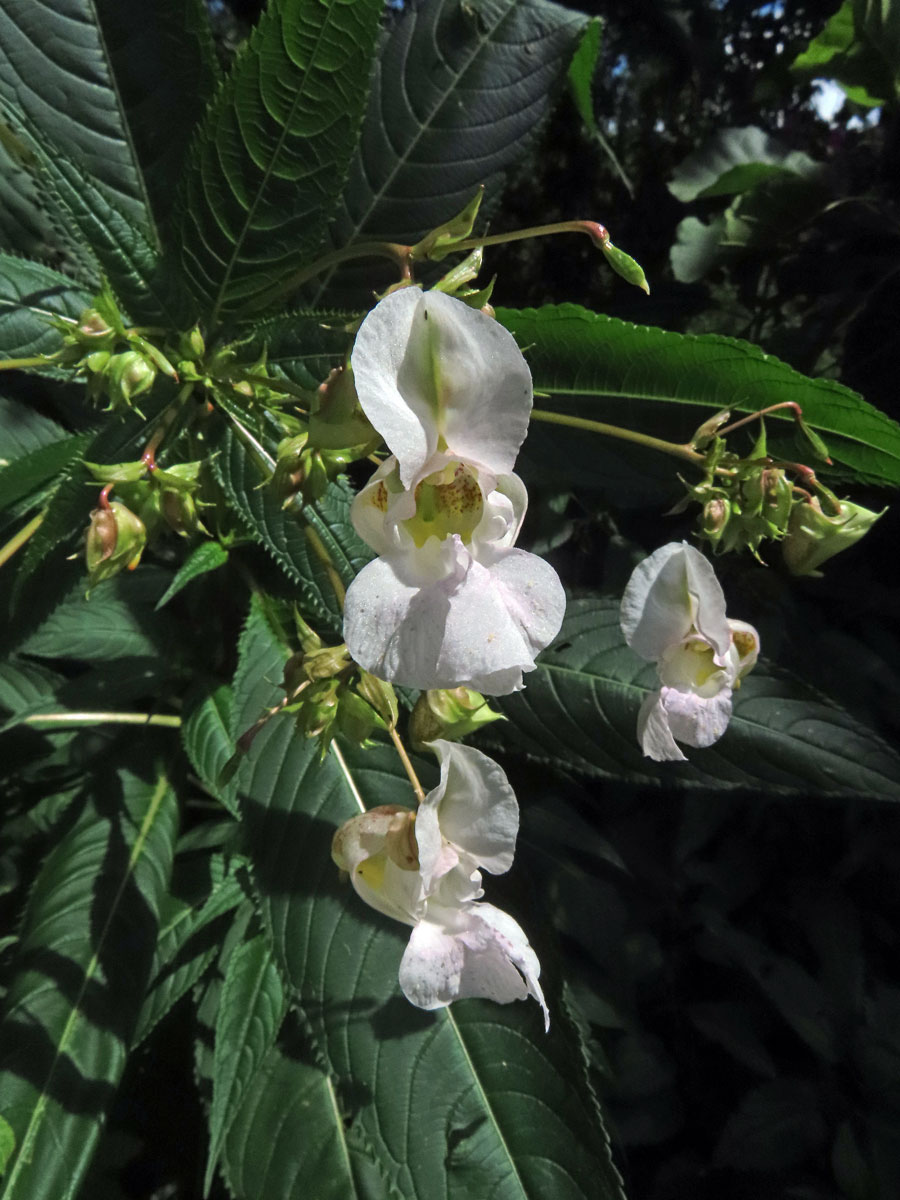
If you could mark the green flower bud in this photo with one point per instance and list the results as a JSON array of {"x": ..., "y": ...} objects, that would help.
[
  {"x": 814, "y": 536},
  {"x": 450, "y": 713},
  {"x": 716, "y": 513},
  {"x": 129, "y": 375},
  {"x": 115, "y": 540},
  {"x": 338, "y": 422},
  {"x": 327, "y": 662},
  {"x": 191, "y": 345},
  {"x": 380, "y": 695},
  {"x": 179, "y": 511},
  {"x": 93, "y": 330}
]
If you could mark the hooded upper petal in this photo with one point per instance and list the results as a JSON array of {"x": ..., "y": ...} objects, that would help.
[
  {"x": 473, "y": 809},
  {"x": 428, "y": 367},
  {"x": 672, "y": 591},
  {"x": 478, "y": 626},
  {"x": 477, "y": 950}
]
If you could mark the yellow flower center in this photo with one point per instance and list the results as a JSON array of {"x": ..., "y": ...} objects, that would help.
[{"x": 447, "y": 502}]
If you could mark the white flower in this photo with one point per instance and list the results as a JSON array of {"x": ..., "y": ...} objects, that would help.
[
  {"x": 424, "y": 868},
  {"x": 449, "y": 602},
  {"x": 673, "y": 614}
]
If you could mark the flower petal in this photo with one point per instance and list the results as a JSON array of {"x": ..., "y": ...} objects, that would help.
[
  {"x": 477, "y": 951},
  {"x": 477, "y": 626},
  {"x": 697, "y": 720},
  {"x": 474, "y": 808},
  {"x": 671, "y": 591},
  {"x": 654, "y": 733},
  {"x": 377, "y": 849},
  {"x": 427, "y": 365}
]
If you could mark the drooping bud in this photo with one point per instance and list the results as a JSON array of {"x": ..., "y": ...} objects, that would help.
[
  {"x": 451, "y": 713},
  {"x": 115, "y": 540},
  {"x": 327, "y": 662},
  {"x": 191, "y": 345},
  {"x": 625, "y": 266},
  {"x": 814, "y": 536},
  {"x": 92, "y": 329}
]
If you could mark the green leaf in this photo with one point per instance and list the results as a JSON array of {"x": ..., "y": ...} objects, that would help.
[
  {"x": 189, "y": 939},
  {"x": 459, "y": 91},
  {"x": 289, "y": 537},
  {"x": 251, "y": 1010},
  {"x": 303, "y": 346},
  {"x": 118, "y": 621},
  {"x": 165, "y": 69},
  {"x": 28, "y": 293},
  {"x": 581, "y": 72},
  {"x": 84, "y": 957},
  {"x": 290, "y": 1131},
  {"x": 206, "y": 734},
  {"x": 23, "y": 430},
  {"x": 32, "y": 470},
  {"x": 735, "y": 161},
  {"x": 55, "y": 66},
  {"x": 509, "y": 1112},
  {"x": 697, "y": 248},
  {"x": 777, "y": 1125},
  {"x": 206, "y": 557},
  {"x": 273, "y": 151},
  {"x": 574, "y": 353},
  {"x": 7, "y": 1143},
  {"x": 579, "y": 712},
  {"x": 122, "y": 249},
  {"x": 857, "y": 51}
]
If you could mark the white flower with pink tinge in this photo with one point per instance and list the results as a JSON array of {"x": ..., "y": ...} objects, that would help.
[
  {"x": 424, "y": 868},
  {"x": 673, "y": 614},
  {"x": 448, "y": 602}
]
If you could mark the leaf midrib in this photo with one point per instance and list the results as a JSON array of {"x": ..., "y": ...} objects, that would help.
[{"x": 232, "y": 261}]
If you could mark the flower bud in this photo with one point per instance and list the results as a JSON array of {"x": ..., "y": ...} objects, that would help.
[
  {"x": 450, "y": 713},
  {"x": 326, "y": 663},
  {"x": 380, "y": 695},
  {"x": 716, "y": 513},
  {"x": 814, "y": 536},
  {"x": 179, "y": 511},
  {"x": 129, "y": 375},
  {"x": 115, "y": 539},
  {"x": 93, "y": 329},
  {"x": 191, "y": 345}
]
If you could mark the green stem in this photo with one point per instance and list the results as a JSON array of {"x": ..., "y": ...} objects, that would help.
[
  {"x": 23, "y": 364},
  {"x": 626, "y": 435},
  {"x": 407, "y": 764},
  {"x": 275, "y": 385},
  {"x": 18, "y": 540},
  {"x": 392, "y": 250},
  {"x": 594, "y": 230},
  {"x": 103, "y": 718}
]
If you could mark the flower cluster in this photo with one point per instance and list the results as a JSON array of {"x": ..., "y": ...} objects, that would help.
[
  {"x": 673, "y": 614},
  {"x": 424, "y": 869},
  {"x": 448, "y": 602}
]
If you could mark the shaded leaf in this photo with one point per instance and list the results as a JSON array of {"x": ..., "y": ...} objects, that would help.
[
  {"x": 290, "y": 1132},
  {"x": 32, "y": 470},
  {"x": 777, "y": 1125},
  {"x": 206, "y": 557},
  {"x": 459, "y": 94},
  {"x": 29, "y": 291},
  {"x": 87, "y": 944},
  {"x": 303, "y": 346},
  {"x": 251, "y": 1010},
  {"x": 118, "y": 621},
  {"x": 24, "y": 430},
  {"x": 289, "y": 537},
  {"x": 54, "y": 65},
  {"x": 579, "y": 712},
  {"x": 188, "y": 941},
  {"x": 268, "y": 164},
  {"x": 735, "y": 161},
  {"x": 577, "y": 354},
  {"x": 206, "y": 734}
]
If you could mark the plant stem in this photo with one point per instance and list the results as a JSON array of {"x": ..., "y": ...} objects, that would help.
[
  {"x": 103, "y": 718},
  {"x": 407, "y": 765},
  {"x": 627, "y": 435},
  {"x": 348, "y": 775},
  {"x": 392, "y": 250},
  {"x": 22, "y": 364},
  {"x": 337, "y": 584},
  {"x": 18, "y": 540},
  {"x": 594, "y": 230}
]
